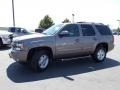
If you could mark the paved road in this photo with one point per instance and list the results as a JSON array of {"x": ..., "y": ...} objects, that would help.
[{"x": 82, "y": 74}]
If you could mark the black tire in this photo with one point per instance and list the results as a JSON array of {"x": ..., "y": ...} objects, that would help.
[
  {"x": 34, "y": 62},
  {"x": 96, "y": 57},
  {"x": 1, "y": 43}
]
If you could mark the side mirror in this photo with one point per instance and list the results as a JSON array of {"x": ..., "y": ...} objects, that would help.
[{"x": 63, "y": 33}]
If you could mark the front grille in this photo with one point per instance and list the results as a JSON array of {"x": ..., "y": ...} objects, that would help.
[{"x": 13, "y": 45}]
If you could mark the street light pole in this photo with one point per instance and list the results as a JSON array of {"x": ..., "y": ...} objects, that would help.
[
  {"x": 13, "y": 13},
  {"x": 73, "y": 18},
  {"x": 118, "y": 23}
]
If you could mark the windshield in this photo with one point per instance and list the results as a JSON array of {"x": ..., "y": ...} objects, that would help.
[{"x": 53, "y": 29}]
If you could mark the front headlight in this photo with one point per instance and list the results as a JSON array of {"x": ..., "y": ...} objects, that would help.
[{"x": 17, "y": 46}]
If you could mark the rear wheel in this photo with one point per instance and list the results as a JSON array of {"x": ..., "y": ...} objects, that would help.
[
  {"x": 40, "y": 60},
  {"x": 99, "y": 54}
]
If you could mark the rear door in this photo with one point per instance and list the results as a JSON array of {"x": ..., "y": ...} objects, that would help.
[{"x": 88, "y": 39}]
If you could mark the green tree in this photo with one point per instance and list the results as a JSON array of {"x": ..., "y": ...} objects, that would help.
[
  {"x": 46, "y": 22},
  {"x": 66, "y": 20},
  {"x": 118, "y": 30}
]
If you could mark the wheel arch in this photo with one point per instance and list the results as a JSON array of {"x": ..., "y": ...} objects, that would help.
[
  {"x": 31, "y": 51},
  {"x": 103, "y": 44}
]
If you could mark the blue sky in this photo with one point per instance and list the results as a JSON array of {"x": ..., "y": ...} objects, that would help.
[{"x": 28, "y": 13}]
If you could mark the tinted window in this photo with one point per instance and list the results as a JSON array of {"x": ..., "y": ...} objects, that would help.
[
  {"x": 72, "y": 29},
  {"x": 24, "y": 31},
  {"x": 12, "y": 30},
  {"x": 87, "y": 30},
  {"x": 103, "y": 30},
  {"x": 18, "y": 30}
]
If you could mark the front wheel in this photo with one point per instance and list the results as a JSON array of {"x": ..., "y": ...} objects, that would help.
[
  {"x": 40, "y": 60},
  {"x": 99, "y": 54}
]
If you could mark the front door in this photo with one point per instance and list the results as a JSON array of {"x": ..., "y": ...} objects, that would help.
[{"x": 68, "y": 45}]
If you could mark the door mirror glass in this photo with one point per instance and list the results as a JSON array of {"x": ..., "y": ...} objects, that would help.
[{"x": 64, "y": 33}]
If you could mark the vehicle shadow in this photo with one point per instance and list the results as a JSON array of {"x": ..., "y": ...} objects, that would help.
[
  {"x": 20, "y": 73},
  {"x": 5, "y": 47}
]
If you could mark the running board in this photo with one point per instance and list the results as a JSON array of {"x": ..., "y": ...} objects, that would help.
[{"x": 67, "y": 59}]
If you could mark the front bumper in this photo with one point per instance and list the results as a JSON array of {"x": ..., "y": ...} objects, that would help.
[
  {"x": 20, "y": 56},
  {"x": 6, "y": 41}
]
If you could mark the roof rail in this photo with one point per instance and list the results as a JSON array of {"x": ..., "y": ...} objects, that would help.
[
  {"x": 81, "y": 22},
  {"x": 90, "y": 22}
]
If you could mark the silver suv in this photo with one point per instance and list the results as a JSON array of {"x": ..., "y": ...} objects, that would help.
[{"x": 63, "y": 41}]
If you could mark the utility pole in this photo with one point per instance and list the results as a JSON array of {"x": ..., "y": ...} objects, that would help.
[
  {"x": 73, "y": 18},
  {"x": 13, "y": 12},
  {"x": 118, "y": 23}
]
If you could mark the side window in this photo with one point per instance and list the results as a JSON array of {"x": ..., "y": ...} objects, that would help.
[
  {"x": 103, "y": 30},
  {"x": 23, "y": 31},
  {"x": 72, "y": 29},
  {"x": 12, "y": 30},
  {"x": 87, "y": 30},
  {"x": 18, "y": 30}
]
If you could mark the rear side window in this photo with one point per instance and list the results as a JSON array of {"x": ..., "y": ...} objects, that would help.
[
  {"x": 87, "y": 30},
  {"x": 103, "y": 29}
]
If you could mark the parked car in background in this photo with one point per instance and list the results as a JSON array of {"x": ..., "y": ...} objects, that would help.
[
  {"x": 39, "y": 30},
  {"x": 116, "y": 33},
  {"x": 17, "y": 31},
  {"x": 5, "y": 38}
]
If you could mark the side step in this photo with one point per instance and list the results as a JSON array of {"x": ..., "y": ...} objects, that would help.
[{"x": 67, "y": 59}]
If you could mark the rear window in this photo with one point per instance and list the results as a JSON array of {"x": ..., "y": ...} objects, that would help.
[{"x": 103, "y": 29}]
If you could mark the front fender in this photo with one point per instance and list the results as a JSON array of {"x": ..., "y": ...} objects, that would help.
[{"x": 42, "y": 43}]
